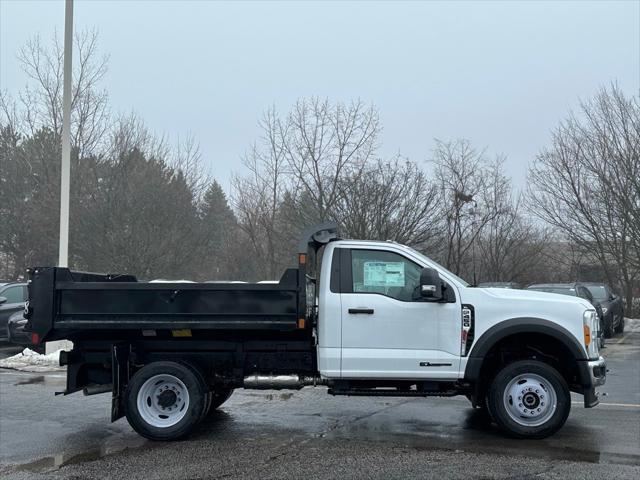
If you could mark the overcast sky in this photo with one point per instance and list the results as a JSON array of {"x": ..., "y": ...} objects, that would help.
[{"x": 500, "y": 74}]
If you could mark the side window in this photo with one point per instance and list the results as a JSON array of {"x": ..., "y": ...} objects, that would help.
[
  {"x": 14, "y": 294},
  {"x": 386, "y": 273}
]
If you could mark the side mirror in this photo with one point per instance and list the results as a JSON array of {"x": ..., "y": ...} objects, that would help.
[
  {"x": 3, "y": 300},
  {"x": 430, "y": 285}
]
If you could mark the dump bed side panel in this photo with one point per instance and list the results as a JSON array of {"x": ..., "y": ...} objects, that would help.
[{"x": 61, "y": 301}]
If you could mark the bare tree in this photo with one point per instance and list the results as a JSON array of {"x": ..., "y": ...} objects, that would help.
[
  {"x": 129, "y": 132},
  {"x": 41, "y": 100},
  {"x": 258, "y": 194},
  {"x": 296, "y": 173},
  {"x": 512, "y": 248},
  {"x": 323, "y": 144},
  {"x": 586, "y": 183},
  {"x": 472, "y": 192},
  {"x": 389, "y": 201}
]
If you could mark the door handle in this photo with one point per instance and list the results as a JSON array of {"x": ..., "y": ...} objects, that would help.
[{"x": 368, "y": 311}]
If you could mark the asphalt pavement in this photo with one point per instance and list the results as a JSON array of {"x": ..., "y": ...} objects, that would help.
[{"x": 309, "y": 434}]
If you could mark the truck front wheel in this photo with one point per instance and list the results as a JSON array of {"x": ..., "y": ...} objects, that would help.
[
  {"x": 165, "y": 400},
  {"x": 529, "y": 399}
]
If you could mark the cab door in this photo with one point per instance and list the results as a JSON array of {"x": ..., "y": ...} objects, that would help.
[{"x": 388, "y": 330}]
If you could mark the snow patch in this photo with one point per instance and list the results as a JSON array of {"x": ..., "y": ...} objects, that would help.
[
  {"x": 632, "y": 325},
  {"x": 30, "y": 361}
]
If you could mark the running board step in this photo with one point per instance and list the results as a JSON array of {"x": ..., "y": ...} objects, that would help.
[{"x": 393, "y": 393}]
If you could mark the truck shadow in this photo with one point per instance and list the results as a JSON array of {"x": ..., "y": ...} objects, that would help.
[
  {"x": 573, "y": 442},
  {"x": 216, "y": 422}
]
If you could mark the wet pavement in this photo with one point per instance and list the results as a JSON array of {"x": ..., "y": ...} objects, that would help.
[{"x": 310, "y": 434}]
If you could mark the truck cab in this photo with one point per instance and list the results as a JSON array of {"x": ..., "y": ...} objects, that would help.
[{"x": 375, "y": 321}]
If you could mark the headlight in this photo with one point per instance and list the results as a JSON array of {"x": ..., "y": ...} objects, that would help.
[{"x": 590, "y": 326}]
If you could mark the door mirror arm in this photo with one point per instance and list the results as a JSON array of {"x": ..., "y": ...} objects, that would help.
[{"x": 447, "y": 294}]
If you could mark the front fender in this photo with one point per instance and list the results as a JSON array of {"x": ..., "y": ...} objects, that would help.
[{"x": 512, "y": 326}]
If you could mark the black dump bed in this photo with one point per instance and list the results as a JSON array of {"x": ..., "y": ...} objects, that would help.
[
  {"x": 65, "y": 303},
  {"x": 62, "y": 301}
]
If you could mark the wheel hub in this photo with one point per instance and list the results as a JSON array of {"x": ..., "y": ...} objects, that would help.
[
  {"x": 530, "y": 400},
  {"x": 163, "y": 400},
  {"x": 167, "y": 398}
]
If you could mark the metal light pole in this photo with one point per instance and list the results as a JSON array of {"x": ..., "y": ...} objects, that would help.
[{"x": 65, "y": 170}]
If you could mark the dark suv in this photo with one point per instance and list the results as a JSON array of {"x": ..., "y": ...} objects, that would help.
[
  {"x": 612, "y": 307},
  {"x": 12, "y": 299},
  {"x": 576, "y": 290}
]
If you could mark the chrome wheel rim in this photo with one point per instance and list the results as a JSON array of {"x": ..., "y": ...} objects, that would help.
[
  {"x": 530, "y": 400},
  {"x": 163, "y": 400}
]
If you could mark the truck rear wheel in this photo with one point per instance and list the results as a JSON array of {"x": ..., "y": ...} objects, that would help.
[
  {"x": 529, "y": 399},
  {"x": 165, "y": 401}
]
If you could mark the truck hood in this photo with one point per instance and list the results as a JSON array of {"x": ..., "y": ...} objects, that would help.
[
  {"x": 496, "y": 305},
  {"x": 534, "y": 296}
]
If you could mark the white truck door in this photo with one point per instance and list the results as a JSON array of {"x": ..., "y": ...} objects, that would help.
[{"x": 388, "y": 331}]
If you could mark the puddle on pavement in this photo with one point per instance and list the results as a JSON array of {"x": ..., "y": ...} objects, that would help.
[
  {"x": 476, "y": 435},
  {"x": 31, "y": 381},
  {"x": 57, "y": 461}
]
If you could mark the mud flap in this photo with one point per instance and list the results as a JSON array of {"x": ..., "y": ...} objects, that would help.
[
  {"x": 74, "y": 371},
  {"x": 590, "y": 397},
  {"x": 119, "y": 378}
]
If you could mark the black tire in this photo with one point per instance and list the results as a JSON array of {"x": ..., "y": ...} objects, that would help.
[
  {"x": 497, "y": 396},
  {"x": 219, "y": 396},
  {"x": 483, "y": 406},
  {"x": 608, "y": 326},
  {"x": 193, "y": 413},
  {"x": 489, "y": 408},
  {"x": 208, "y": 393},
  {"x": 620, "y": 327}
]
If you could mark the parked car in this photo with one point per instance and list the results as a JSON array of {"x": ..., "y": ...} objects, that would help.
[
  {"x": 17, "y": 335},
  {"x": 575, "y": 289},
  {"x": 499, "y": 285},
  {"x": 612, "y": 307},
  {"x": 12, "y": 299}
]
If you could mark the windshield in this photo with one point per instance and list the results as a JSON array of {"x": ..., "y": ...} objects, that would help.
[
  {"x": 598, "y": 292},
  {"x": 560, "y": 290},
  {"x": 429, "y": 260}
]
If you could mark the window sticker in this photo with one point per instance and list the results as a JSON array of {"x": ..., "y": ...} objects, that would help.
[{"x": 384, "y": 274}]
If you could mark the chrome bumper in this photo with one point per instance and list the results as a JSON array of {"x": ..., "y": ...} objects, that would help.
[{"x": 598, "y": 371}]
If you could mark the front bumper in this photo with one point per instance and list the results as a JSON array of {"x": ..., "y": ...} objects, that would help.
[
  {"x": 594, "y": 374},
  {"x": 597, "y": 371}
]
